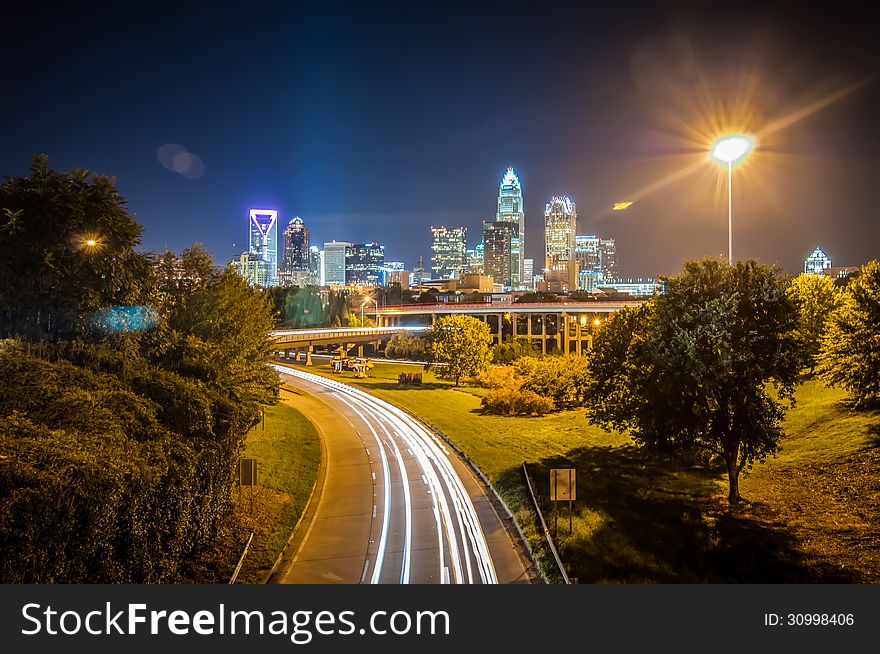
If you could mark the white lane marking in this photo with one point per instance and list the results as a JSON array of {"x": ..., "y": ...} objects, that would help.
[
  {"x": 366, "y": 567},
  {"x": 374, "y": 510},
  {"x": 374, "y": 476},
  {"x": 368, "y": 450}
]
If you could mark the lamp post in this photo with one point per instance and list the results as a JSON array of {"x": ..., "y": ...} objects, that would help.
[
  {"x": 728, "y": 150},
  {"x": 364, "y": 304}
]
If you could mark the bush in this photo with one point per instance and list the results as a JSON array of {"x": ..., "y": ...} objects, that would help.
[
  {"x": 562, "y": 379},
  {"x": 516, "y": 402},
  {"x": 509, "y": 352}
]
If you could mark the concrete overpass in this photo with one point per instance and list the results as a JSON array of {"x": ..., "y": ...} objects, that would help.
[
  {"x": 560, "y": 326},
  {"x": 551, "y": 326}
]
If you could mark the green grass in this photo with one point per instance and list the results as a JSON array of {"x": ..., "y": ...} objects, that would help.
[
  {"x": 288, "y": 453},
  {"x": 640, "y": 517}
]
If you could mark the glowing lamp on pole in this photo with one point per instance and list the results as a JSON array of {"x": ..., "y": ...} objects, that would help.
[{"x": 728, "y": 150}]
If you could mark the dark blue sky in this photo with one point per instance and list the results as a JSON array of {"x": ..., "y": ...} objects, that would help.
[{"x": 373, "y": 121}]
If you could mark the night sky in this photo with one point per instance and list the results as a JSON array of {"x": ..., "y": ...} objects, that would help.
[{"x": 373, "y": 121}]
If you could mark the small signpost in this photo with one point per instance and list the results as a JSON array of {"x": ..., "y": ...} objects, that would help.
[
  {"x": 247, "y": 476},
  {"x": 563, "y": 486}
]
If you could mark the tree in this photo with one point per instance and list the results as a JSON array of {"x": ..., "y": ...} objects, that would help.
[
  {"x": 303, "y": 308},
  {"x": 66, "y": 250},
  {"x": 816, "y": 298},
  {"x": 405, "y": 345},
  {"x": 850, "y": 356},
  {"x": 459, "y": 346},
  {"x": 692, "y": 367}
]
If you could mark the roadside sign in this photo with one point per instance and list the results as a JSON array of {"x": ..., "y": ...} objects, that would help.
[
  {"x": 563, "y": 484},
  {"x": 247, "y": 472}
]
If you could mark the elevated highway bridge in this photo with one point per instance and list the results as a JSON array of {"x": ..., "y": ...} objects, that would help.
[{"x": 550, "y": 326}]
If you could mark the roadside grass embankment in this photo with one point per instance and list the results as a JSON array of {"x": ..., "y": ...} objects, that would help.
[
  {"x": 288, "y": 454},
  {"x": 812, "y": 513}
]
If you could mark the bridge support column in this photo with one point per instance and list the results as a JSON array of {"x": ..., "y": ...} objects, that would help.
[
  {"x": 566, "y": 339},
  {"x": 544, "y": 334},
  {"x": 361, "y": 351},
  {"x": 309, "y": 350}
]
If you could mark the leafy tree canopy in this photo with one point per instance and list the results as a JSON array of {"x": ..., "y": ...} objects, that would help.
[
  {"x": 692, "y": 366},
  {"x": 461, "y": 345},
  {"x": 850, "y": 355},
  {"x": 66, "y": 250}
]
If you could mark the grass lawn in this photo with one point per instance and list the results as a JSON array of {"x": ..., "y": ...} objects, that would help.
[
  {"x": 645, "y": 518},
  {"x": 288, "y": 453}
]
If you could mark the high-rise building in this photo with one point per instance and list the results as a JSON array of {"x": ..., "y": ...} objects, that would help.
[
  {"x": 475, "y": 259},
  {"x": 363, "y": 261},
  {"x": 498, "y": 240},
  {"x": 560, "y": 229},
  {"x": 253, "y": 268},
  {"x": 263, "y": 242},
  {"x": 448, "y": 252},
  {"x": 510, "y": 211},
  {"x": 817, "y": 262},
  {"x": 608, "y": 255},
  {"x": 315, "y": 261},
  {"x": 295, "y": 254},
  {"x": 529, "y": 274},
  {"x": 596, "y": 261},
  {"x": 333, "y": 264}
]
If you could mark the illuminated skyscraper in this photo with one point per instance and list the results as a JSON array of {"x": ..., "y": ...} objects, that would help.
[
  {"x": 596, "y": 261},
  {"x": 560, "y": 228},
  {"x": 510, "y": 211},
  {"x": 263, "y": 243},
  {"x": 294, "y": 250},
  {"x": 333, "y": 264},
  {"x": 498, "y": 240},
  {"x": 448, "y": 252},
  {"x": 363, "y": 262}
]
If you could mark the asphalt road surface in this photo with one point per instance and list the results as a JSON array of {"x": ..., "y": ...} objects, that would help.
[{"x": 395, "y": 505}]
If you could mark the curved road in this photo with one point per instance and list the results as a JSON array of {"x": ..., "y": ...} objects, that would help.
[{"x": 396, "y": 506}]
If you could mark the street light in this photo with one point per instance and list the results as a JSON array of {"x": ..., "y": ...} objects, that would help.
[
  {"x": 731, "y": 149},
  {"x": 364, "y": 304}
]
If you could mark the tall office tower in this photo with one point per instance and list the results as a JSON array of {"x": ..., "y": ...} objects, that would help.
[
  {"x": 448, "y": 252},
  {"x": 560, "y": 229},
  {"x": 315, "y": 261},
  {"x": 510, "y": 211},
  {"x": 589, "y": 262},
  {"x": 817, "y": 262},
  {"x": 498, "y": 244},
  {"x": 263, "y": 242},
  {"x": 529, "y": 274},
  {"x": 295, "y": 254},
  {"x": 596, "y": 261},
  {"x": 475, "y": 259},
  {"x": 608, "y": 254},
  {"x": 363, "y": 261},
  {"x": 333, "y": 264}
]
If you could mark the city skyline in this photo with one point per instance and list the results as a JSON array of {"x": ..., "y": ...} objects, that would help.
[{"x": 590, "y": 118}]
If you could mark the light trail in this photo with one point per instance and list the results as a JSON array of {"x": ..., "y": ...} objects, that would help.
[
  {"x": 453, "y": 511},
  {"x": 386, "y": 492}
]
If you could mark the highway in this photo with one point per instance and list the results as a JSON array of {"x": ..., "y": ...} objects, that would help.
[{"x": 396, "y": 505}]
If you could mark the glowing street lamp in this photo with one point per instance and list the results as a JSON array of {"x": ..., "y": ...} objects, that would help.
[
  {"x": 729, "y": 150},
  {"x": 364, "y": 304}
]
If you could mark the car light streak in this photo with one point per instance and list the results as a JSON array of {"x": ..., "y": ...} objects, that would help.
[{"x": 464, "y": 533}]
